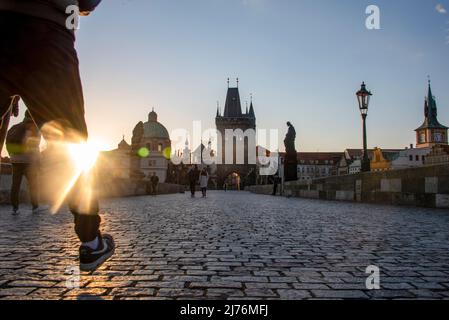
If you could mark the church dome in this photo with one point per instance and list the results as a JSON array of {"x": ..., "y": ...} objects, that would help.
[{"x": 153, "y": 129}]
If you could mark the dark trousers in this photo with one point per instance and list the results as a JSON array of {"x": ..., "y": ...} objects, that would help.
[
  {"x": 31, "y": 174},
  {"x": 275, "y": 188},
  {"x": 204, "y": 191},
  {"x": 38, "y": 62},
  {"x": 154, "y": 188},
  {"x": 192, "y": 188}
]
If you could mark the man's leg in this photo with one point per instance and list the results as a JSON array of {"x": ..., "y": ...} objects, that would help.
[
  {"x": 192, "y": 188},
  {"x": 17, "y": 173},
  {"x": 41, "y": 63},
  {"x": 32, "y": 175}
]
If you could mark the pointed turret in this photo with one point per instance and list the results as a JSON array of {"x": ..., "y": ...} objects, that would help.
[
  {"x": 431, "y": 132},
  {"x": 430, "y": 112},
  {"x": 251, "y": 111}
]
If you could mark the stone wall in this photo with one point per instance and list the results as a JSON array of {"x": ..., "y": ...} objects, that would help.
[
  {"x": 114, "y": 188},
  {"x": 424, "y": 186}
]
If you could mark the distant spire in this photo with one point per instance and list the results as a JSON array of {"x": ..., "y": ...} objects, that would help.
[
  {"x": 430, "y": 112},
  {"x": 429, "y": 94},
  {"x": 218, "y": 109},
  {"x": 251, "y": 108},
  {"x": 246, "y": 102},
  {"x": 228, "y": 82},
  {"x": 237, "y": 82}
]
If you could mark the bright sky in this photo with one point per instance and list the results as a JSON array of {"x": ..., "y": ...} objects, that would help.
[{"x": 303, "y": 60}]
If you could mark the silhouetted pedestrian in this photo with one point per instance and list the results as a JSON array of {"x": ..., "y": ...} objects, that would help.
[
  {"x": 204, "y": 180},
  {"x": 193, "y": 179},
  {"x": 154, "y": 180},
  {"x": 22, "y": 143},
  {"x": 275, "y": 185}
]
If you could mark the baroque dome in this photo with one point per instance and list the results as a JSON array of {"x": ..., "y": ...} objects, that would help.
[{"x": 154, "y": 129}]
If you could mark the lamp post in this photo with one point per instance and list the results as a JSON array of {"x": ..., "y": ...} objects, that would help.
[{"x": 363, "y": 98}]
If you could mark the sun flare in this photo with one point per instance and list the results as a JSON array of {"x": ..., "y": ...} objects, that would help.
[{"x": 84, "y": 155}]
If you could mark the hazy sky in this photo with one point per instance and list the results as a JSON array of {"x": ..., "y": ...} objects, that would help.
[{"x": 303, "y": 60}]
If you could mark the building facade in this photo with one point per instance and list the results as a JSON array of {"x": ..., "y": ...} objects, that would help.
[
  {"x": 380, "y": 160},
  {"x": 116, "y": 163},
  {"x": 411, "y": 158},
  {"x": 438, "y": 155},
  {"x": 313, "y": 165}
]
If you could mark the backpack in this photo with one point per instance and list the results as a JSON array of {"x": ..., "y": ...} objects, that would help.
[{"x": 15, "y": 139}]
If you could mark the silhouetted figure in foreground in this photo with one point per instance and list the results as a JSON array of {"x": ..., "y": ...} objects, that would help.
[{"x": 39, "y": 63}]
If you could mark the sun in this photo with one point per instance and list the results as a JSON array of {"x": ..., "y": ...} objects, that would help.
[{"x": 84, "y": 155}]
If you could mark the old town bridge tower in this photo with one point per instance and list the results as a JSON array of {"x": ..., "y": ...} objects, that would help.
[{"x": 237, "y": 173}]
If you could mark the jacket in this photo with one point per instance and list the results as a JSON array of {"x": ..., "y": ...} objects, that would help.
[
  {"x": 53, "y": 10},
  {"x": 26, "y": 151}
]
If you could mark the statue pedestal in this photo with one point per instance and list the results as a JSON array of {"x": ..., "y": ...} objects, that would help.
[{"x": 291, "y": 167}]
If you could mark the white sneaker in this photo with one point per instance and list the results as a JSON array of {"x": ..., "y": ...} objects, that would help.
[{"x": 40, "y": 210}]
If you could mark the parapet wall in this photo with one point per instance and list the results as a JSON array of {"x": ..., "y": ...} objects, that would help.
[
  {"x": 113, "y": 188},
  {"x": 425, "y": 186}
]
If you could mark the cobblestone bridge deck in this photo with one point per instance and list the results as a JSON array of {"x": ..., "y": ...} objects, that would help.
[{"x": 232, "y": 246}]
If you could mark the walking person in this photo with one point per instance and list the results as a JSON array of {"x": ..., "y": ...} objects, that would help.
[
  {"x": 154, "y": 180},
  {"x": 204, "y": 180},
  {"x": 23, "y": 143},
  {"x": 39, "y": 63},
  {"x": 193, "y": 179},
  {"x": 275, "y": 185}
]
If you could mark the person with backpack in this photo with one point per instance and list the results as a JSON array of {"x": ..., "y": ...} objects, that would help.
[
  {"x": 39, "y": 63},
  {"x": 22, "y": 143}
]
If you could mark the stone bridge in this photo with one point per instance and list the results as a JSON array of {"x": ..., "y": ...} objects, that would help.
[{"x": 231, "y": 246}]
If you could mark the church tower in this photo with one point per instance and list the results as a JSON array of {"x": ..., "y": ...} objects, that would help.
[
  {"x": 431, "y": 131},
  {"x": 234, "y": 119}
]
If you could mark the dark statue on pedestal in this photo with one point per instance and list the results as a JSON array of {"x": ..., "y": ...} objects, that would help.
[{"x": 291, "y": 157}]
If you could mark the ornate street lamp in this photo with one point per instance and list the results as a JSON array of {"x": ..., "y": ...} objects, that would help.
[{"x": 363, "y": 98}]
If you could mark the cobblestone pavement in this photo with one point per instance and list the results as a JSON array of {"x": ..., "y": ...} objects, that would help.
[{"x": 232, "y": 246}]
